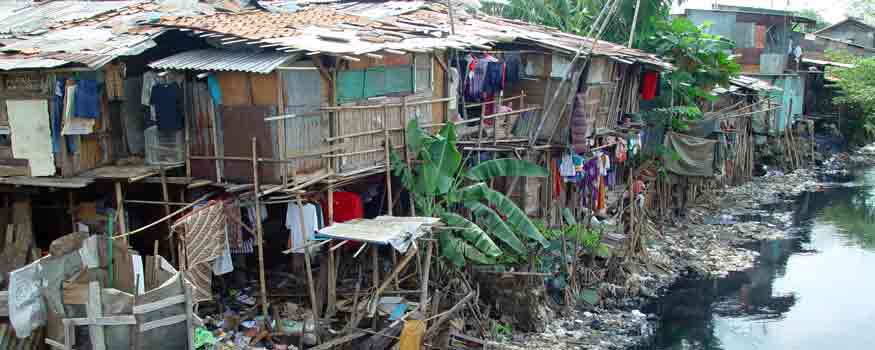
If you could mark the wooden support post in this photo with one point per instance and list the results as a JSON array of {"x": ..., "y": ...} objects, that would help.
[
  {"x": 72, "y": 205},
  {"x": 155, "y": 268},
  {"x": 403, "y": 119},
  {"x": 332, "y": 285},
  {"x": 120, "y": 206},
  {"x": 189, "y": 322},
  {"x": 94, "y": 310},
  {"x": 375, "y": 277},
  {"x": 387, "y": 144},
  {"x": 480, "y": 132},
  {"x": 311, "y": 288},
  {"x": 258, "y": 228},
  {"x": 423, "y": 296},
  {"x": 166, "y": 195}
]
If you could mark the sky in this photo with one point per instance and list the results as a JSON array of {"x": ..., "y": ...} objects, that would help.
[{"x": 831, "y": 10}]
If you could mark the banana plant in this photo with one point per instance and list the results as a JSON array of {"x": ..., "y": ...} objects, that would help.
[{"x": 440, "y": 184}]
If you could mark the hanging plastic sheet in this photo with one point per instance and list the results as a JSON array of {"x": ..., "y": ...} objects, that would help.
[{"x": 689, "y": 155}]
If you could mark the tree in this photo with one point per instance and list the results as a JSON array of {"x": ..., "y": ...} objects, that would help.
[
  {"x": 857, "y": 86},
  {"x": 440, "y": 184},
  {"x": 819, "y": 24},
  {"x": 576, "y": 16},
  {"x": 864, "y": 9},
  {"x": 701, "y": 62}
]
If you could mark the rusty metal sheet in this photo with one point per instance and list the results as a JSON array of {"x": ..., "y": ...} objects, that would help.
[{"x": 240, "y": 125}]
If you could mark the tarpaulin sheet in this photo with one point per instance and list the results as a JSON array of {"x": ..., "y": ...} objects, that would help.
[{"x": 689, "y": 155}]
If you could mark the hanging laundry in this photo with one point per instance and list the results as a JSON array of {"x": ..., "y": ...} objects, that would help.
[
  {"x": 203, "y": 233},
  {"x": 566, "y": 166},
  {"x": 513, "y": 67},
  {"x": 232, "y": 223},
  {"x": 165, "y": 101},
  {"x": 150, "y": 78},
  {"x": 250, "y": 211},
  {"x": 476, "y": 79},
  {"x": 294, "y": 215},
  {"x": 347, "y": 206},
  {"x": 494, "y": 81},
  {"x": 649, "y": 85},
  {"x": 57, "y": 113},
  {"x": 215, "y": 90},
  {"x": 87, "y": 100}
]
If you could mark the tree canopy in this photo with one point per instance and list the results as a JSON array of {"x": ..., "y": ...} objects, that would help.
[{"x": 576, "y": 16}]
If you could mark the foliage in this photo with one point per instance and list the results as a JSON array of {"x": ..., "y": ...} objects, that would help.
[
  {"x": 819, "y": 24},
  {"x": 440, "y": 184},
  {"x": 702, "y": 61},
  {"x": 858, "y": 91},
  {"x": 864, "y": 9},
  {"x": 577, "y": 16}
]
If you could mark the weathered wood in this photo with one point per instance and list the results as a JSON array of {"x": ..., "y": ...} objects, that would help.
[
  {"x": 189, "y": 318},
  {"x": 339, "y": 341},
  {"x": 94, "y": 310},
  {"x": 120, "y": 207},
  {"x": 4, "y": 303},
  {"x": 449, "y": 313},
  {"x": 120, "y": 320},
  {"x": 163, "y": 322},
  {"x": 141, "y": 309}
]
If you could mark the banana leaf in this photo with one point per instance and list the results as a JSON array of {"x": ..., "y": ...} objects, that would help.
[
  {"x": 446, "y": 159},
  {"x": 505, "y": 167},
  {"x": 456, "y": 250},
  {"x": 513, "y": 214},
  {"x": 496, "y": 226},
  {"x": 416, "y": 137},
  {"x": 568, "y": 216},
  {"x": 473, "y": 234}
]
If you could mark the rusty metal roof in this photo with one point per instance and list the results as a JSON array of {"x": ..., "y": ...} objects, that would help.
[
  {"x": 84, "y": 32},
  {"x": 355, "y": 28},
  {"x": 224, "y": 60}
]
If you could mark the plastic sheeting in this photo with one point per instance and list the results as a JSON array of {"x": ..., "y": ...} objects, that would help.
[{"x": 689, "y": 155}]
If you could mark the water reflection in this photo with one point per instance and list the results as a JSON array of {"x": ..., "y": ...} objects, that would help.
[{"x": 807, "y": 292}]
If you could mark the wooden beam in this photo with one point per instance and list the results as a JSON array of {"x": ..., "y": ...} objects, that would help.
[
  {"x": 94, "y": 310},
  {"x": 142, "y": 309},
  {"x": 164, "y": 322},
  {"x": 259, "y": 229}
]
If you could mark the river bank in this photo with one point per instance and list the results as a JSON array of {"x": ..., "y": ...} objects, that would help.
[{"x": 718, "y": 236}]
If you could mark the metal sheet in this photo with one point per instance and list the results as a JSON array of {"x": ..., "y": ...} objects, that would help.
[
  {"x": 39, "y": 17},
  {"x": 722, "y": 23},
  {"x": 30, "y": 63},
  {"x": 224, "y": 60},
  {"x": 241, "y": 124}
]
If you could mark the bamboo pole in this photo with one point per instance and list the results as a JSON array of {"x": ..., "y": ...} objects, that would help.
[
  {"x": 259, "y": 229},
  {"x": 120, "y": 207},
  {"x": 423, "y": 295},
  {"x": 403, "y": 120},
  {"x": 166, "y": 196},
  {"x": 387, "y": 144},
  {"x": 375, "y": 278},
  {"x": 311, "y": 288}
]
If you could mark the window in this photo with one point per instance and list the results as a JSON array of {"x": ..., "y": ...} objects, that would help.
[{"x": 359, "y": 84}]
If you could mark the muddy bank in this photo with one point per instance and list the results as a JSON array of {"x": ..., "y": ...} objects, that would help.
[{"x": 712, "y": 240}]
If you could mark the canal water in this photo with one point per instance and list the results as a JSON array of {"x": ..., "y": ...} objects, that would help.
[{"x": 815, "y": 290}]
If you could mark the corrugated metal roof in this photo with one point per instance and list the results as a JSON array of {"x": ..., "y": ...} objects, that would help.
[
  {"x": 355, "y": 28},
  {"x": 39, "y": 17},
  {"x": 224, "y": 60},
  {"x": 30, "y": 63}
]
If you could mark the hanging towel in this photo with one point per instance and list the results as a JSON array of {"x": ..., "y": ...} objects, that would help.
[{"x": 165, "y": 102}]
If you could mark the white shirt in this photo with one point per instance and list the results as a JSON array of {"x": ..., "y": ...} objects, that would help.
[{"x": 293, "y": 223}]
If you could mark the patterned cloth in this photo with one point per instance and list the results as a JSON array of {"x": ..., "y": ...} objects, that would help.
[
  {"x": 232, "y": 215},
  {"x": 203, "y": 232}
]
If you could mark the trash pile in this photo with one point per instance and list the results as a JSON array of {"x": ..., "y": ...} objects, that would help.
[{"x": 591, "y": 330}]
